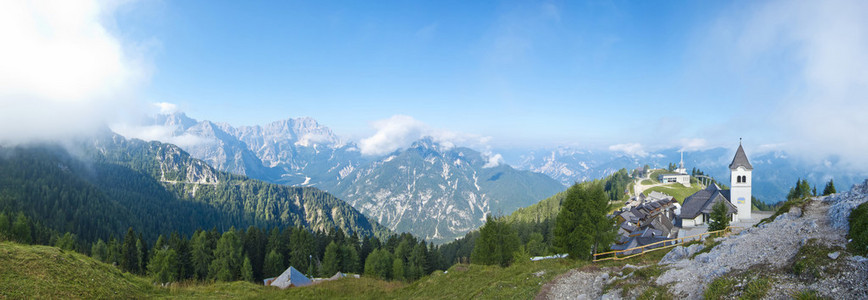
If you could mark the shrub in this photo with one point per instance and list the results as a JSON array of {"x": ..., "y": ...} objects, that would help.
[{"x": 859, "y": 229}]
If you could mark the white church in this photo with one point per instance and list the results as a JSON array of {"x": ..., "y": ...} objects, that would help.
[{"x": 697, "y": 207}]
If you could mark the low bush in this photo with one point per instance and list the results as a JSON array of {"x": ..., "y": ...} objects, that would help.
[{"x": 859, "y": 230}]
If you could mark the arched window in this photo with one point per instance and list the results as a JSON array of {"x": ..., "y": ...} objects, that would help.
[
  {"x": 744, "y": 179},
  {"x": 738, "y": 179}
]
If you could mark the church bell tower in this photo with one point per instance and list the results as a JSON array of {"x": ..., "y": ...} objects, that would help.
[{"x": 740, "y": 183}]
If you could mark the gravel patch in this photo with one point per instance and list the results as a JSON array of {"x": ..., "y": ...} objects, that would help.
[{"x": 585, "y": 283}]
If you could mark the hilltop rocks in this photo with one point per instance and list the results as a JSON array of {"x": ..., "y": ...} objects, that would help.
[
  {"x": 843, "y": 203},
  {"x": 679, "y": 253},
  {"x": 770, "y": 246}
]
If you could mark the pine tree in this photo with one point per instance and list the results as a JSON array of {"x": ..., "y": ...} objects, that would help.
[
  {"x": 496, "y": 244},
  {"x": 247, "y": 270},
  {"x": 129, "y": 253},
  {"x": 379, "y": 264},
  {"x": 226, "y": 265},
  {"x": 99, "y": 251},
  {"x": 5, "y": 227},
  {"x": 830, "y": 188},
  {"x": 349, "y": 259},
  {"x": 200, "y": 254},
  {"x": 66, "y": 242},
  {"x": 398, "y": 269},
  {"x": 535, "y": 246},
  {"x": 302, "y": 250},
  {"x": 273, "y": 264},
  {"x": 582, "y": 227},
  {"x": 163, "y": 266},
  {"x": 719, "y": 217},
  {"x": 331, "y": 261},
  {"x": 21, "y": 229}
]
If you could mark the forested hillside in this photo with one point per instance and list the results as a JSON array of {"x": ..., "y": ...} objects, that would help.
[{"x": 98, "y": 188}]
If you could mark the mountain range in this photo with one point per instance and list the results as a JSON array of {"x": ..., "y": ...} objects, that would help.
[
  {"x": 97, "y": 187},
  {"x": 775, "y": 172},
  {"x": 435, "y": 191}
]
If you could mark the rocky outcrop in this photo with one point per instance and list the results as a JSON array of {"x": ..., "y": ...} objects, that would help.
[{"x": 841, "y": 204}]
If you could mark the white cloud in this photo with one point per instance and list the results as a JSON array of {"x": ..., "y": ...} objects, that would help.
[
  {"x": 632, "y": 149},
  {"x": 162, "y": 133},
  {"x": 693, "y": 144},
  {"x": 493, "y": 160},
  {"x": 813, "y": 56},
  {"x": 400, "y": 131},
  {"x": 166, "y": 107},
  {"x": 62, "y": 72}
]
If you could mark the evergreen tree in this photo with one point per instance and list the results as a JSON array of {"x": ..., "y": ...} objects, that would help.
[
  {"x": 5, "y": 227},
  {"x": 247, "y": 270},
  {"x": 129, "y": 253},
  {"x": 226, "y": 265},
  {"x": 719, "y": 217},
  {"x": 99, "y": 251},
  {"x": 163, "y": 267},
  {"x": 182, "y": 249},
  {"x": 114, "y": 256},
  {"x": 496, "y": 244},
  {"x": 582, "y": 227},
  {"x": 398, "y": 269},
  {"x": 331, "y": 261},
  {"x": 201, "y": 252},
  {"x": 302, "y": 246},
  {"x": 21, "y": 229},
  {"x": 349, "y": 259},
  {"x": 535, "y": 246},
  {"x": 66, "y": 242},
  {"x": 830, "y": 188},
  {"x": 273, "y": 264},
  {"x": 379, "y": 264},
  {"x": 142, "y": 253}
]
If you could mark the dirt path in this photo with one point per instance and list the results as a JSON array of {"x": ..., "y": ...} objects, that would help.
[
  {"x": 638, "y": 187},
  {"x": 582, "y": 283}
]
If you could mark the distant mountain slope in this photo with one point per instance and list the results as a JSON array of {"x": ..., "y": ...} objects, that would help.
[
  {"x": 775, "y": 172},
  {"x": 427, "y": 190},
  {"x": 440, "y": 193},
  {"x": 292, "y": 151},
  {"x": 112, "y": 183}
]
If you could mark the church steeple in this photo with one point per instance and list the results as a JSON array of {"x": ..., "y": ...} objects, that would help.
[
  {"x": 740, "y": 179},
  {"x": 740, "y": 159}
]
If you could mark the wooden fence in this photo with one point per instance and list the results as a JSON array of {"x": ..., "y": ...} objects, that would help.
[{"x": 613, "y": 255}]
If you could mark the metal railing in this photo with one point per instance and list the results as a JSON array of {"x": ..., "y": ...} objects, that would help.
[{"x": 629, "y": 253}]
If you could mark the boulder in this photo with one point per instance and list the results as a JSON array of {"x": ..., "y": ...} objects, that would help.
[{"x": 795, "y": 212}]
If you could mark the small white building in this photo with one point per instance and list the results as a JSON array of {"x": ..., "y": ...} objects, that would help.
[{"x": 679, "y": 176}]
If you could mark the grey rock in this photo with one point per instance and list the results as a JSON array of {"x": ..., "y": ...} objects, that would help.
[
  {"x": 795, "y": 212},
  {"x": 834, "y": 255},
  {"x": 782, "y": 217},
  {"x": 859, "y": 258}
]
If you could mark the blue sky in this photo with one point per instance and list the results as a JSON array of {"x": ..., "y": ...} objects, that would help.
[
  {"x": 788, "y": 75},
  {"x": 521, "y": 72}
]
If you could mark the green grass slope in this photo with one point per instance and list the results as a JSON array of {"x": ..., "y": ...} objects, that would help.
[
  {"x": 676, "y": 190},
  {"x": 43, "y": 272}
]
